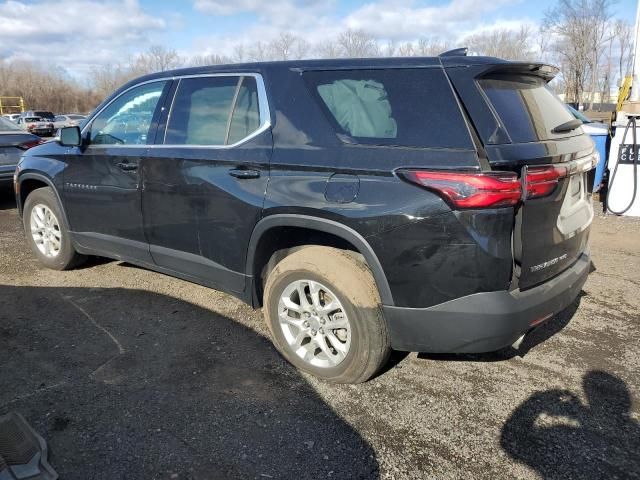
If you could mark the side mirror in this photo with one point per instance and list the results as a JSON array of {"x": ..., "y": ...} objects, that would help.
[{"x": 70, "y": 137}]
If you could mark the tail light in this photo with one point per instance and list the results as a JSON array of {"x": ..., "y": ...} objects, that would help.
[
  {"x": 469, "y": 190},
  {"x": 30, "y": 144},
  {"x": 542, "y": 181}
]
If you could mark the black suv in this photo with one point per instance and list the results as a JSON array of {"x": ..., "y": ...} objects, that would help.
[{"x": 425, "y": 204}]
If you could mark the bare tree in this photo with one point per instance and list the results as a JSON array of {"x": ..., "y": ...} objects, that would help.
[
  {"x": 623, "y": 32},
  {"x": 503, "y": 43},
  {"x": 211, "y": 59},
  {"x": 287, "y": 46},
  {"x": 580, "y": 28},
  {"x": 157, "y": 59},
  {"x": 329, "y": 49},
  {"x": 357, "y": 44}
]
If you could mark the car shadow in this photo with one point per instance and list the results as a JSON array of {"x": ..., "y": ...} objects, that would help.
[
  {"x": 534, "y": 338},
  {"x": 559, "y": 436},
  {"x": 134, "y": 384}
]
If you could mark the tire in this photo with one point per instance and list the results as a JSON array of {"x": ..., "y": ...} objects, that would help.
[
  {"x": 61, "y": 255},
  {"x": 334, "y": 273}
]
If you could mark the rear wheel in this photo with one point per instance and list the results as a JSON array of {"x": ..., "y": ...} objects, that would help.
[
  {"x": 47, "y": 232},
  {"x": 323, "y": 309}
]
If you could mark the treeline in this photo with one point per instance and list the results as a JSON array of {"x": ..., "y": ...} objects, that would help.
[
  {"x": 592, "y": 50},
  {"x": 46, "y": 89}
]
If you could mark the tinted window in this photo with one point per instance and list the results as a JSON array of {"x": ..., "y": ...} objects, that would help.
[
  {"x": 127, "y": 120},
  {"x": 405, "y": 107},
  {"x": 203, "y": 111},
  {"x": 60, "y": 118},
  {"x": 44, "y": 115},
  {"x": 526, "y": 107},
  {"x": 246, "y": 116}
]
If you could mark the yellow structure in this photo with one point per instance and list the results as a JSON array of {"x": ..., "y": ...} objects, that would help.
[{"x": 11, "y": 104}]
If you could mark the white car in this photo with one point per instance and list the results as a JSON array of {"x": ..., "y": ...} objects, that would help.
[
  {"x": 36, "y": 125},
  {"x": 11, "y": 116},
  {"x": 68, "y": 120}
]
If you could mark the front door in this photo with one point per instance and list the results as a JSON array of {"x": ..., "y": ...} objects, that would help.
[
  {"x": 102, "y": 186},
  {"x": 204, "y": 180}
]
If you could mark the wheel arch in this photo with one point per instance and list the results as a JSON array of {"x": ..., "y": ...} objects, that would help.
[
  {"x": 30, "y": 181},
  {"x": 265, "y": 243}
]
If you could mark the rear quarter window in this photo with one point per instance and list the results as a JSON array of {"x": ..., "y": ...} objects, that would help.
[{"x": 394, "y": 107}]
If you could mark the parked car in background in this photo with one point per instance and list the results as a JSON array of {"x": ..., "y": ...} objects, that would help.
[
  {"x": 36, "y": 125},
  {"x": 13, "y": 142},
  {"x": 44, "y": 114},
  {"x": 11, "y": 116},
  {"x": 426, "y": 204},
  {"x": 67, "y": 120}
]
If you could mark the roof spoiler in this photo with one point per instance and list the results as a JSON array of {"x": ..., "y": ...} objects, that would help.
[{"x": 456, "y": 52}]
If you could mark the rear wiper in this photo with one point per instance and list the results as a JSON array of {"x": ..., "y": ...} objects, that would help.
[{"x": 567, "y": 126}]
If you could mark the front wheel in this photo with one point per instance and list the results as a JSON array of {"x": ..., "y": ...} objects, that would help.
[
  {"x": 323, "y": 309},
  {"x": 47, "y": 232}
]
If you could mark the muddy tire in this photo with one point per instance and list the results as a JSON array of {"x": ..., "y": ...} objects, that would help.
[
  {"x": 324, "y": 312},
  {"x": 47, "y": 232}
]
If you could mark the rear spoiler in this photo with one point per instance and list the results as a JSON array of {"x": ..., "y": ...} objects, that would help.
[{"x": 484, "y": 66}]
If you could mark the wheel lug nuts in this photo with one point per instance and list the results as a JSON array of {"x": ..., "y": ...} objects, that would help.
[
  {"x": 321, "y": 331},
  {"x": 322, "y": 320},
  {"x": 305, "y": 324},
  {"x": 307, "y": 314},
  {"x": 313, "y": 332}
]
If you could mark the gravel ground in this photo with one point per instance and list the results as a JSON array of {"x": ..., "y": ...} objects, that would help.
[{"x": 131, "y": 374}]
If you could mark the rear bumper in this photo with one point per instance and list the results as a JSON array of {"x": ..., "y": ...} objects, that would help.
[{"x": 483, "y": 322}]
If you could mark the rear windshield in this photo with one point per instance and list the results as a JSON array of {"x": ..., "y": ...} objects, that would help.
[
  {"x": 403, "y": 107},
  {"x": 526, "y": 107}
]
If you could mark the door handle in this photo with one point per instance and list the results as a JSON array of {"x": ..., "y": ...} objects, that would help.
[
  {"x": 243, "y": 174},
  {"x": 127, "y": 167}
]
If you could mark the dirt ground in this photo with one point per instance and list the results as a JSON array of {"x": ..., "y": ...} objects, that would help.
[{"x": 131, "y": 374}]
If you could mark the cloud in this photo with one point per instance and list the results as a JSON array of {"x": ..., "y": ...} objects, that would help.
[
  {"x": 74, "y": 34},
  {"x": 408, "y": 21},
  {"x": 271, "y": 9},
  {"x": 398, "y": 20}
]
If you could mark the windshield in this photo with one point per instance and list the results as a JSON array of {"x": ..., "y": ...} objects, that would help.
[
  {"x": 7, "y": 125},
  {"x": 32, "y": 119}
]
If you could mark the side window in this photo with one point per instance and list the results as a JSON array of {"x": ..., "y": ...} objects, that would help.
[
  {"x": 406, "y": 107},
  {"x": 213, "y": 111},
  {"x": 127, "y": 120},
  {"x": 59, "y": 118},
  {"x": 246, "y": 116}
]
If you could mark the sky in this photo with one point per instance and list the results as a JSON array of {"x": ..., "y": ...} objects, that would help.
[{"x": 76, "y": 35}]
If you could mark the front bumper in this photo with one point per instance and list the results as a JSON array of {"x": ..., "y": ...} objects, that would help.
[{"x": 483, "y": 322}]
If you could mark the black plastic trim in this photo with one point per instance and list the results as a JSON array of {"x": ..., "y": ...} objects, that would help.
[
  {"x": 49, "y": 182},
  {"x": 327, "y": 226},
  {"x": 483, "y": 322}
]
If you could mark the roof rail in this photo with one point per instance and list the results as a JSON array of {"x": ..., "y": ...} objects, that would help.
[{"x": 456, "y": 52}]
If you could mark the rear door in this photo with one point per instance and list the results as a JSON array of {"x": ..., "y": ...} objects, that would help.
[
  {"x": 525, "y": 128},
  {"x": 205, "y": 178}
]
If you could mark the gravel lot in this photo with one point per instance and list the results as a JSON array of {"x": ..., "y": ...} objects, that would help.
[{"x": 131, "y": 374}]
